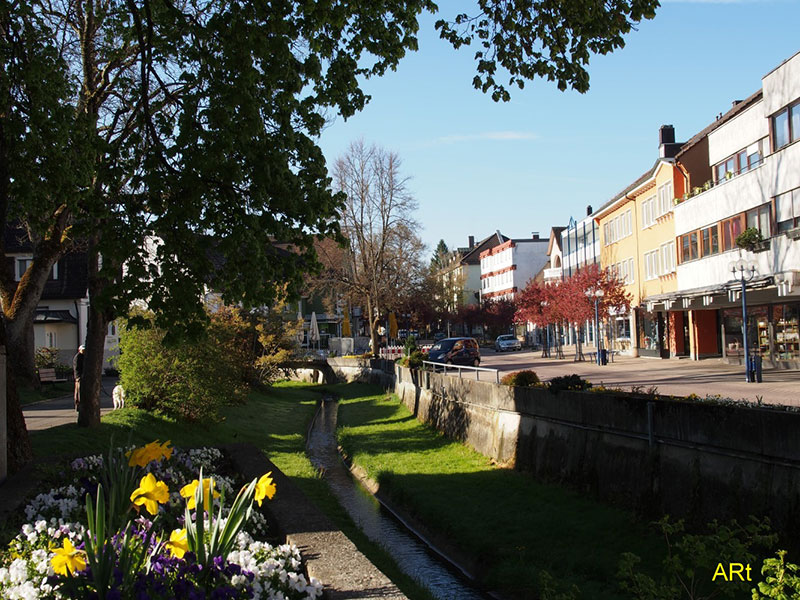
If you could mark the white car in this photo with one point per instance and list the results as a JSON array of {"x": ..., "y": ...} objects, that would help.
[{"x": 507, "y": 342}]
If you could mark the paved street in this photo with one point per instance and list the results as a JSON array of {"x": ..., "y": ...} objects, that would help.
[
  {"x": 60, "y": 411},
  {"x": 674, "y": 376}
]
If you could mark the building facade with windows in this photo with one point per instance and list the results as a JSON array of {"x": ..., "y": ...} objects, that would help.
[
  {"x": 507, "y": 267},
  {"x": 753, "y": 170},
  {"x": 61, "y": 317},
  {"x": 638, "y": 245}
]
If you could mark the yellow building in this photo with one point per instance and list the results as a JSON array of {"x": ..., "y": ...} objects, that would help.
[{"x": 637, "y": 242}]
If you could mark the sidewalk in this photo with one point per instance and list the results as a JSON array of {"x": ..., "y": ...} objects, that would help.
[
  {"x": 61, "y": 411},
  {"x": 679, "y": 377}
]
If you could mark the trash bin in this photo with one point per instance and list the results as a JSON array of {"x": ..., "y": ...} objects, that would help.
[{"x": 603, "y": 356}]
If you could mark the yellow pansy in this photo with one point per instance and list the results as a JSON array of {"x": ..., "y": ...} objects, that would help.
[
  {"x": 68, "y": 559},
  {"x": 141, "y": 457},
  {"x": 209, "y": 489},
  {"x": 178, "y": 544},
  {"x": 265, "y": 488},
  {"x": 150, "y": 493}
]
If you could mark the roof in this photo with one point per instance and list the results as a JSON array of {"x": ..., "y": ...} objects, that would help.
[
  {"x": 555, "y": 234},
  {"x": 719, "y": 121},
  {"x": 473, "y": 256},
  {"x": 639, "y": 181},
  {"x": 54, "y": 316}
]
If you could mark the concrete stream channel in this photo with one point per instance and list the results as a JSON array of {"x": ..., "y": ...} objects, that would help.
[{"x": 413, "y": 555}]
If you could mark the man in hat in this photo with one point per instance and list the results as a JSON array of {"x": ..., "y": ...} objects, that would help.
[{"x": 77, "y": 371}]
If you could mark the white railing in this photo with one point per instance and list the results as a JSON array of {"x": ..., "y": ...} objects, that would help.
[
  {"x": 392, "y": 352},
  {"x": 460, "y": 368}
]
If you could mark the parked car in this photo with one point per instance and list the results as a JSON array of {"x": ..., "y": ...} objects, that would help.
[
  {"x": 507, "y": 342},
  {"x": 456, "y": 351},
  {"x": 439, "y": 335}
]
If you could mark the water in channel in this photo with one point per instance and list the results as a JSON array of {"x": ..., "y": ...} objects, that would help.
[{"x": 410, "y": 553}]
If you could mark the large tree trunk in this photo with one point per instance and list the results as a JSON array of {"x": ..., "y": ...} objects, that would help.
[
  {"x": 96, "y": 327},
  {"x": 18, "y": 443},
  {"x": 22, "y": 351},
  {"x": 92, "y": 380}
]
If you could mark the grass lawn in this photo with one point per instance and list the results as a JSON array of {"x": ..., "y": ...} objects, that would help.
[
  {"x": 47, "y": 391},
  {"x": 275, "y": 421},
  {"x": 513, "y": 526}
]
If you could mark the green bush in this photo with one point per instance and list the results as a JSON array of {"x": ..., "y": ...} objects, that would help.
[
  {"x": 524, "y": 378},
  {"x": 568, "y": 382},
  {"x": 415, "y": 359},
  {"x": 190, "y": 380},
  {"x": 410, "y": 346}
]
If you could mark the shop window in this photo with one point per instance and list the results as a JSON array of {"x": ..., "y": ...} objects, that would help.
[
  {"x": 787, "y": 338},
  {"x": 648, "y": 331},
  {"x": 622, "y": 328}
]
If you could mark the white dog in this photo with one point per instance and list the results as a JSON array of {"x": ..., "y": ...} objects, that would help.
[{"x": 118, "y": 395}]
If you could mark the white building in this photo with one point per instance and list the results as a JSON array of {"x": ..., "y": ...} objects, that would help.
[
  {"x": 507, "y": 268},
  {"x": 754, "y": 168}
]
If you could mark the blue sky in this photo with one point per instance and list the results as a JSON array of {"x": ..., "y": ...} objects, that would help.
[{"x": 477, "y": 166}]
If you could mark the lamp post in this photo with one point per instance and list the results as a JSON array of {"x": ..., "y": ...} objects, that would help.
[
  {"x": 744, "y": 271},
  {"x": 546, "y": 350},
  {"x": 597, "y": 295}
]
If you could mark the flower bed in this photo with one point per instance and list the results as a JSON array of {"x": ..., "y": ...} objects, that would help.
[{"x": 127, "y": 525}]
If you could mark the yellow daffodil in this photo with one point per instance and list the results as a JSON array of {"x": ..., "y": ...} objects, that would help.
[
  {"x": 150, "y": 493},
  {"x": 68, "y": 559},
  {"x": 141, "y": 457},
  {"x": 178, "y": 545},
  {"x": 209, "y": 489},
  {"x": 265, "y": 488}
]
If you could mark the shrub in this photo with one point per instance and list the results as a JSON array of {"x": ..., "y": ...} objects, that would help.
[
  {"x": 410, "y": 346},
  {"x": 46, "y": 358},
  {"x": 188, "y": 380},
  {"x": 749, "y": 238},
  {"x": 568, "y": 382},
  {"x": 524, "y": 378},
  {"x": 415, "y": 359}
]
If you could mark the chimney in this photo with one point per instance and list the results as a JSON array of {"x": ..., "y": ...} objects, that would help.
[
  {"x": 667, "y": 148},
  {"x": 589, "y": 210},
  {"x": 535, "y": 235},
  {"x": 471, "y": 242},
  {"x": 666, "y": 135},
  {"x": 735, "y": 103}
]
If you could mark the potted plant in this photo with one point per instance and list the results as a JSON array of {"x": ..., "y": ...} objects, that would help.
[
  {"x": 752, "y": 240},
  {"x": 728, "y": 174}
]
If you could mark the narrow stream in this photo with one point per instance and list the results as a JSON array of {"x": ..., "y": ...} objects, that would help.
[{"x": 411, "y": 554}]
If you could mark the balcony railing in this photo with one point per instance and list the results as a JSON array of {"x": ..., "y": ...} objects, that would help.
[{"x": 553, "y": 273}]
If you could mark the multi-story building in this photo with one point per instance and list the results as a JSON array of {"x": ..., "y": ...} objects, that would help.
[
  {"x": 637, "y": 238},
  {"x": 750, "y": 178},
  {"x": 580, "y": 244},
  {"x": 552, "y": 270},
  {"x": 507, "y": 268},
  {"x": 462, "y": 273}
]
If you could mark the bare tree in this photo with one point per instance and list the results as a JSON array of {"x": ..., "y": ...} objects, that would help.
[{"x": 383, "y": 258}]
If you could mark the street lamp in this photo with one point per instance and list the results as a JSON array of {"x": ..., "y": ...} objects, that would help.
[
  {"x": 597, "y": 295},
  {"x": 744, "y": 271}
]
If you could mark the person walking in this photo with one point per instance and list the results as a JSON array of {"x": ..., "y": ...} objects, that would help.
[{"x": 77, "y": 371}]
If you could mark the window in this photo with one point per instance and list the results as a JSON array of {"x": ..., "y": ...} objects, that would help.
[
  {"x": 759, "y": 218},
  {"x": 51, "y": 340},
  {"x": 731, "y": 228},
  {"x": 689, "y": 249},
  {"x": 786, "y": 126},
  {"x": 22, "y": 265},
  {"x": 667, "y": 258},
  {"x": 649, "y": 212},
  {"x": 665, "y": 198},
  {"x": 787, "y": 209},
  {"x": 726, "y": 166},
  {"x": 709, "y": 240},
  {"x": 651, "y": 264}
]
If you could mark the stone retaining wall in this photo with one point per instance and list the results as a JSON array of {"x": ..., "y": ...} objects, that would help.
[{"x": 693, "y": 459}]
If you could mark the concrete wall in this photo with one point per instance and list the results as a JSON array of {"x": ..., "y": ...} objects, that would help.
[{"x": 692, "y": 459}]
